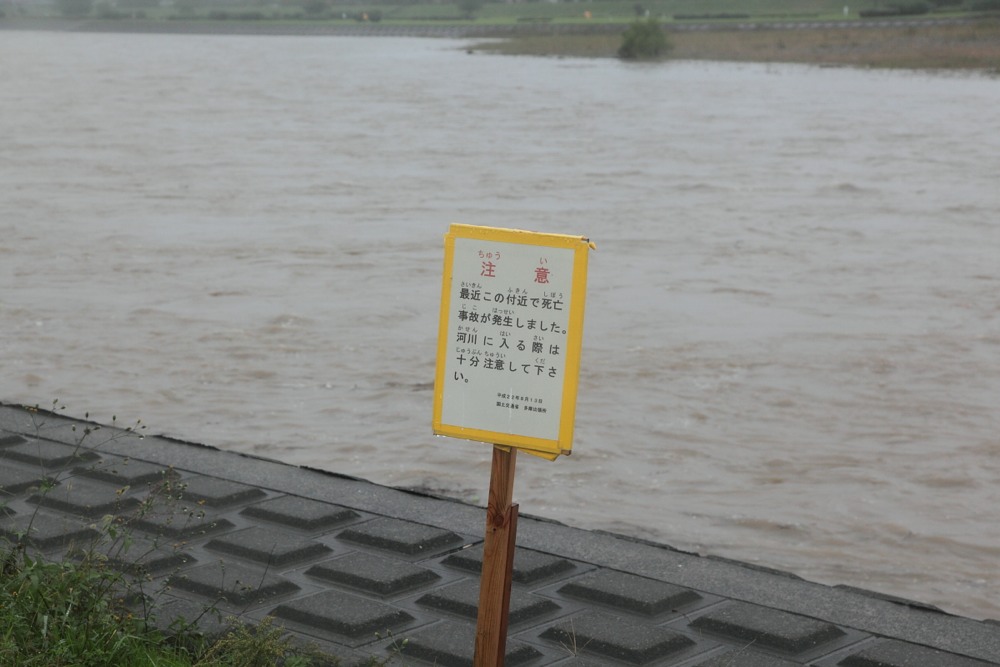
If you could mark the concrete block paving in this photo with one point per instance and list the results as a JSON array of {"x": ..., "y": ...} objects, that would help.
[{"x": 362, "y": 570}]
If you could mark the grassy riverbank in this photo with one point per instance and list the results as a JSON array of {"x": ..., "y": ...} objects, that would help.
[{"x": 974, "y": 45}]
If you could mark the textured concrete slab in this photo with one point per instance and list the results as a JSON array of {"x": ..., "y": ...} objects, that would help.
[
  {"x": 269, "y": 546},
  {"x": 85, "y": 499},
  {"x": 403, "y": 537},
  {"x": 47, "y": 454},
  {"x": 12, "y": 440},
  {"x": 344, "y": 614},
  {"x": 462, "y": 599},
  {"x": 15, "y": 479},
  {"x": 628, "y": 592},
  {"x": 215, "y": 492},
  {"x": 47, "y": 532},
  {"x": 233, "y": 583},
  {"x": 901, "y": 654},
  {"x": 530, "y": 567},
  {"x": 745, "y": 657},
  {"x": 125, "y": 472},
  {"x": 181, "y": 525},
  {"x": 374, "y": 574},
  {"x": 362, "y": 570},
  {"x": 300, "y": 513},
  {"x": 767, "y": 628},
  {"x": 619, "y": 638},
  {"x": 138, "y": 557},
  {"x": 453, "y": 645}
]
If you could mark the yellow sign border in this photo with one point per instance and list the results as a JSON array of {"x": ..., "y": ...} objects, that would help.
[{"x": 546, "y": 448}]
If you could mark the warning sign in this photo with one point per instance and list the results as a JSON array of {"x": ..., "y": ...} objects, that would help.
[{"x": 512, "y": 308}]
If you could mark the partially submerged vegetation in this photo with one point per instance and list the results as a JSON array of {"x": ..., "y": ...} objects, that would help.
[
  {"x": 824, "y": 32},
  {"x": 973, "y": 45},
  {"x": 644, "y": 40}
]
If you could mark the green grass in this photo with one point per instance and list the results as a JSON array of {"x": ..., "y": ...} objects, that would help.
[
  {"x": 81, "y": 612},
  {"x": 56, "y": 614},
  {"x": 67, "y": 614},
  {"x": 89, "y": 610},
  {"x": 974, "y": 45}
]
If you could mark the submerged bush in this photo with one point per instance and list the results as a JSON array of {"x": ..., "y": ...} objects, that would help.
[{"x": 644, "y": 40}]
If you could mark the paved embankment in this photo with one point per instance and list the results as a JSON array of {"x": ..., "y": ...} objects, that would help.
[{"x": 362, "y": 570}]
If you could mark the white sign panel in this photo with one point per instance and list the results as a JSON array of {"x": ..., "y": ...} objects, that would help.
[{"x": 508, "y": 353}]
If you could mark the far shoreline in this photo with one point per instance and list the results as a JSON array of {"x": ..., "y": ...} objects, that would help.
[{"x": 943, "y": 44}]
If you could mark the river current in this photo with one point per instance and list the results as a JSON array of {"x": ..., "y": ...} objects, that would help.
[{"x": 792, "y": 342}]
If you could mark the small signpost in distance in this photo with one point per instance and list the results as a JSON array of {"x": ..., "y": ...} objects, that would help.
[{"x": 508, "y": 361}]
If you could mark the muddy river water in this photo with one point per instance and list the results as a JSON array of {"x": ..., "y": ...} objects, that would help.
[{"x": 792, "y": 344}]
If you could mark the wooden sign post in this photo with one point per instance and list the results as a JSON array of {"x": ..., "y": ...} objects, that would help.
[
  {"x": 511, "y": 329},
  {"x": 498, "y": 561}
]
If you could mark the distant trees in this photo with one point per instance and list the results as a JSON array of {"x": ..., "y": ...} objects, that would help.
[
  {"x": 314, "y": 7},
  {"x": 75, "y": 8},
  {"x": 470, "y": 7},
  {"x": 906, "y": 9}
]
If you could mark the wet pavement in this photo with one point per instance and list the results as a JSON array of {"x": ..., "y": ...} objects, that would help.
[{"x": 361, "y": 570}]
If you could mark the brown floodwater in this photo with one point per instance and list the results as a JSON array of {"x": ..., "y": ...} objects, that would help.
[{"x": 792, "y": 345}]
